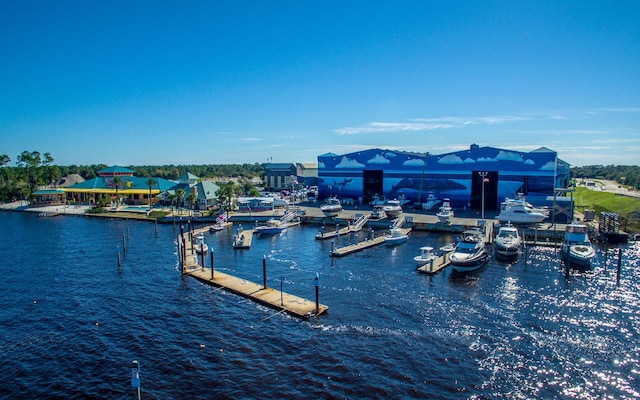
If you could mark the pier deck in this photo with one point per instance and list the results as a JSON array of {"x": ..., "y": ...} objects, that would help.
[
  {"x": 437, "y": 264},
  {"x": 276, "y": 299},
  {"x": 352, "y": 248}
]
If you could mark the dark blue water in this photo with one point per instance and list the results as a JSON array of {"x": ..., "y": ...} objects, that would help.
[{"x": 72, "y": 322}]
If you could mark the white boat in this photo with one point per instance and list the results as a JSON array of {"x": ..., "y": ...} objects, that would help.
[
  {"x": 446, "y": 212},
  {"x": 431, "y": 202},
  {"x": 519, "y": 211},
  {"x": 331, "y": 207},
  {"x": 396, "y": 236},
  {"x": 273, "y": 227},
  {"x": 392, "y": 208},
  {"x": 508, "y": 241},
  {"x": 470, "y": 253},
  {"x": 426, "y": 256},
  {"x": 577, "y": 246},
  {"x": 377, "y": 212},
  {"x": 200, "y": 246}
]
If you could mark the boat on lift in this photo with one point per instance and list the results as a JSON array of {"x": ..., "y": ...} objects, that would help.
[
  {"x": 392, "y": 208},
  {"x": 273, "y": 227},
  {"x": 519, "y": 211},
  {"x": 576, "y": 246},
  {"x": 331, "y": 207},
  {"x": 426, "y": 256},
  {"x": 446, "y": 212},
  {"x": 431, "y": 203},
  {"x": 396, "y": 236}
]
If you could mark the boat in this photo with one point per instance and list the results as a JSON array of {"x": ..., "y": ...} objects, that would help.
[
  {"x": 331, "y": 207},
  {"x": 378, "y": 212},
  {"x": 470, "y": 253},
  {"x": 431, "y": 202},
  {"x": 426, "y": 256},
  {"x": 508, "y": 241},
  {"x": 396, "y": 236},
  {"x": 446, "y": 212},
  {"x": 576, "y": 246},
  {"x": 201, "y": 246},
  {"x": 392, "y": 208},
  {"x": 273, "y": 227},
  {"x": 215, "y": 228},
  {"x": 519, "y": 211}
]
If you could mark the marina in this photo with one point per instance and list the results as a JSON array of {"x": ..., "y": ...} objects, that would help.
[{"x": 146, "y": 309}]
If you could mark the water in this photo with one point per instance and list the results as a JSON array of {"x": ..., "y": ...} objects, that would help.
[{"x": 72, "y": 322}]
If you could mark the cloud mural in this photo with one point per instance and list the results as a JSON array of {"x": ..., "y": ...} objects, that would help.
[
  {"x": 549, "y": 166},
  {"x": 450, "y": 159},
  {"x": 469, "y": 160},
  {"x": 486, "y": 159},
  {"x": 509, "y": 156},
  {"x": 415, "y": 162},
  {"x": 530, "y": 162},
  {"x": 321, "y": 165},
  {"x": 346, "y": 162},
  {"x": 378, "y": 159},
  {"x": 389, "y": 154}
]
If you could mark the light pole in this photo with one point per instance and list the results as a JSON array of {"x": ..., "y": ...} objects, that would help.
[{"x": 483, "y": 176}]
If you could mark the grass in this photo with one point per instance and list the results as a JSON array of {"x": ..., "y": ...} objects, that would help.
[{"x": 628, "y": 208}]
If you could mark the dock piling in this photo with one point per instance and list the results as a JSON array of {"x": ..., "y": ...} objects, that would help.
[
  {"x": 124, "y": 243},
  {"x": 619, "y": 267},
  {"x": 317, "y": 295},
  {"x": 119, "y": 258},
  {"x": 264, "y": 271},
  {"x": 282, "y": 278},
  {"x": 212, "y": 263}
]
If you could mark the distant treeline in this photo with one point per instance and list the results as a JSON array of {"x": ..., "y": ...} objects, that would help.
[
  {"x": 34, "y": 170},
  {"x": 623, "y": 174}
]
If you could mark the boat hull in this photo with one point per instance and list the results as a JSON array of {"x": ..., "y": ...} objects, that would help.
[{"x": 469, "y": 264}]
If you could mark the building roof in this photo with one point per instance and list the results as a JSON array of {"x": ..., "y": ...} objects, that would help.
[
  {"x": 48, "y": 192},
  {"x": 131, "y": 185},
  {"x": 70, "y": 180},
  {"x": 207, "y": 190},
  {"x": 280, "y": 166},
  {"x": 115, "y": 170}
]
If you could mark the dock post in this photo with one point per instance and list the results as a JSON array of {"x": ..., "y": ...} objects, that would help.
[
  {"x": 606, "y": 252},
  {"x": 282, "y": 278},
  {"x": 333, "y": 246},
  {"x": 431, "y": 265},
  {"x": 135, "y": 376},
  {"x": 264, "y": 271},
  {"x": 156, "y": 226},
  {"x": 317, "y": 295},
  {"x": 202, "y": 252},
  {"x": 567, "y": 265},
  {"x": 118, "y": 257},
  {"x": 212, "y": 263},
  {"x": 124, "y": 243},
  {"x": 619, "y": 266}
]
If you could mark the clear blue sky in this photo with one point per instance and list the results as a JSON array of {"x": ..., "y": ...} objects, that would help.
[{"x": 216, "y": 82}]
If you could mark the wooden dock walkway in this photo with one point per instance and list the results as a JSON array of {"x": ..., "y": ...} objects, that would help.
[
  {"x": 437, "y": 264},
  {"x": 243, "y": 239},
  {"x": 352, "y": 248},
  {"x": 276, "y": 299},
  {"x": 351, "y": 227}
]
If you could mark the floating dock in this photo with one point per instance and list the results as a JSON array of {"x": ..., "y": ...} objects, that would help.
[
  {"x": 437, "y": 264},
  {"x": 343, "y": 251},
  {"x": 351, "y": 227},
  {"x": 276, "y": 299}
]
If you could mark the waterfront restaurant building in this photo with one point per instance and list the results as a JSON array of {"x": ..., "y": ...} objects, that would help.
[{"x": 460, "y": 176}]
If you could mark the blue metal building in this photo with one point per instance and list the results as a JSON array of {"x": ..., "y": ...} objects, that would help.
[{"x": 459, "y": 176}]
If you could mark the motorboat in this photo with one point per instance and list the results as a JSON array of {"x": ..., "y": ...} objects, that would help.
[
  {"x": 470, "y": 253},
  {"x": 519, "y": 211},
  {"x": 576, "y": 246},
  {"x": 431, "y": 202},
  {"x": 200, "y": 247},
  {"x": 426, "y": 256},
  {"x": 392, "y": 208},
  {"x": 396, "y": 236},
  {"x": 331, "y": 207},
  {"x": 378, "y": 212},
  {"x": 446, "y": 212},
  {"x": 216, "y": 228},
  {"x": 273, "y": 227},
  {"x": 508, "y": 241}
]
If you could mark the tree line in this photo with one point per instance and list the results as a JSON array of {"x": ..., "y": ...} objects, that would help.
[
  {"x": 624, "y": 174},
  {"x": 34, "y": 170}
]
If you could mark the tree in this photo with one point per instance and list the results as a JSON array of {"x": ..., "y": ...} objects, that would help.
[
  {"x": 150, "y": 182},
  {"x": 117, "y": 182},
  {"x": 179, "y": 196},
  {"x": 226, "y": 193},
  {"x": 190, "y": 198},
  {"x": 4, "y": 160}
]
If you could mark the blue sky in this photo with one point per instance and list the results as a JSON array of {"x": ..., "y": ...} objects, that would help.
[{"x": 212, "y": 82}]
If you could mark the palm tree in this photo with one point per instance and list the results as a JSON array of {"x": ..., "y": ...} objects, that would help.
[
  {"x": 179, "y": 195},
  {"x": 117, "y": 182},
  {"x": 226, "y": 193},
  {"x": 150, "y": 182},
  {"x": 190, "y": 199}
]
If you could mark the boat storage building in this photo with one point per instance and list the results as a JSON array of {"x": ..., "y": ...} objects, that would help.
[{"x": 459, "y": 176}]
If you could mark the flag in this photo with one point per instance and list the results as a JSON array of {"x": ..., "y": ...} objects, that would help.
[{"x": 486, "y": 180}]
